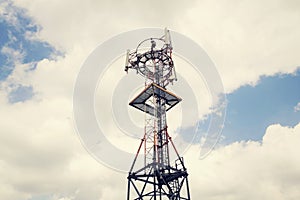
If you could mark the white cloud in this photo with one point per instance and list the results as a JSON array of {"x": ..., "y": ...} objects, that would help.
[
  {"x": 40, "y": 154},
  {"x": 297, "y": 107},
  {"x": 250, "y": 170},
  {"x": 91, "y": 22},
  {"x": 246, "y": 39},
  {"x": 8, "y": 13},
  {"x": 13, "y": 55}
]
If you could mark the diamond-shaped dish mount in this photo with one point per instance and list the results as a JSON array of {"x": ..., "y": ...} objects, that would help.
[{"x": 141, "y": 101}]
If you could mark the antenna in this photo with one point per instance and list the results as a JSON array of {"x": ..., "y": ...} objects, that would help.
[
  {"x": 167, "y": 37},
  {"x": 127, "y": 61},
  {"x": 160, "y": 176}
]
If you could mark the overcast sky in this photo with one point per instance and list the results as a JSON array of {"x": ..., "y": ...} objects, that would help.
[{"x": 254, "y": 45}]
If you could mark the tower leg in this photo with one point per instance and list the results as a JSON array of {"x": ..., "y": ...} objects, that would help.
[
  {"x": 187, "y": 188},
  {"x": 128, "y": 190}
]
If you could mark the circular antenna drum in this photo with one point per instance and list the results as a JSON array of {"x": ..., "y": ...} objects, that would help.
[{"x": 153, "y": 60}]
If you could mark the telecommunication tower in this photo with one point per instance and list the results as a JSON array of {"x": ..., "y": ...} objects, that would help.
[{"x": 159, "y": 177}]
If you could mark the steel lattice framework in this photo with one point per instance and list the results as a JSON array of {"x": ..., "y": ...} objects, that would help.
[{"x": 157, "y": 178}]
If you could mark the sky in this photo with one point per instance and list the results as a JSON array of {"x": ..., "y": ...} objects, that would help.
[{"x": 253, "y": 44}]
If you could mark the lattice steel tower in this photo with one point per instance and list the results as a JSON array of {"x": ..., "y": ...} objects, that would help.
[{"x": 156, "y": 178}]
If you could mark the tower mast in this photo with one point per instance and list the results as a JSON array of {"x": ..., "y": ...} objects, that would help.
[{"x": 157, "y": 178}]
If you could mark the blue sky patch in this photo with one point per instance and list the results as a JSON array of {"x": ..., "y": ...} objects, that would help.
[
  {"x": 14, "y": 40},
  {"x": 20, "y": 94},
  {"x": 251, "y": 110},
  {"x": 41, "y": 197}
]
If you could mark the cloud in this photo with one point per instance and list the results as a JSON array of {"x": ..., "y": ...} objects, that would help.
[
  {"x": 246, "y": 40},
  {"x": 250, "y": 170},
  {"x": 297, "y": 107},
  {"x": 40, "y": 152},
  {"x": 20, "y": 42},
  {"x": 8, "y": 14},
  {"x": 90, "y": 22},
  {"x": 13, "y": 55},
  {"x": 42, "y": 156}
]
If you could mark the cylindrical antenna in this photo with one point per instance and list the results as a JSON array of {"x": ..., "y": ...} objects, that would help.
[
  {"x": 167, "y": 37},
  {"x": 127, "y": 57},
  {"x": 127, "y": 60}
]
